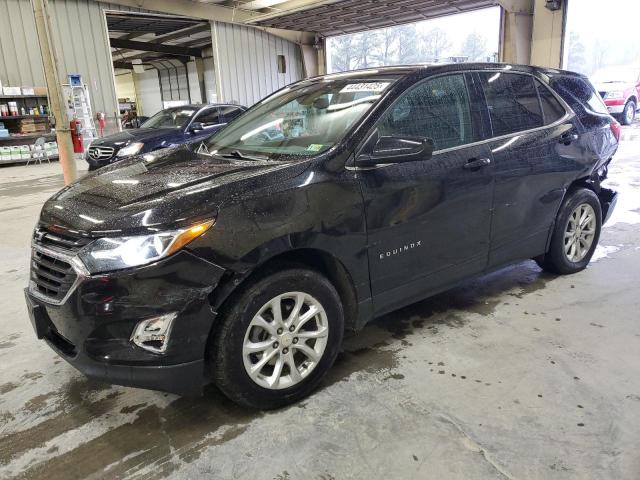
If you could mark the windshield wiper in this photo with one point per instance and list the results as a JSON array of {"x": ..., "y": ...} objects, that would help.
[{"x": 241, "y": 156}]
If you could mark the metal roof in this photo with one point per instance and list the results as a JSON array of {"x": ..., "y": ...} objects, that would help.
[
  {"x": 158, "y": 24},
  {"x": 160, "y": 41},
  {"x": 350, "y": 16}
]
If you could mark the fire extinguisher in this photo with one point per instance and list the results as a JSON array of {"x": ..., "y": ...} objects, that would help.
[{"x": 76, "y": 135}]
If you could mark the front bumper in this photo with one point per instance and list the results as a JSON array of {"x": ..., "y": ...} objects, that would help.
[
  {"x": 91, "y": 329},
  {"x": 615, "y": 109}
]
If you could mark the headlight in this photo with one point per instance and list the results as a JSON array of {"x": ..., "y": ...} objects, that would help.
[
  {"x": 614, "y": 94},
  {"x": 130, "y": 149},
  {"x": 106, "y": 254}
]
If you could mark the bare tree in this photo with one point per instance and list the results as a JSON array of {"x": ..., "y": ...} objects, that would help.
[
  {"x": 435, "y": 43},
  {"x": 342, "y": 55},
  {"x": 388, "y": 48},
  {"x": 408, "y": 44},
  {"x": 366, "y": 47},
  {"x": 474, "y": 47}
]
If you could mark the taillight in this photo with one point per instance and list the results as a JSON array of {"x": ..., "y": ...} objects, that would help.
[{"x": 616, "y": 128}]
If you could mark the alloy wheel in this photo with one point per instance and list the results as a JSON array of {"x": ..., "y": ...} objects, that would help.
[
  {"x": 285, "y": 340},
  {"x": 580, "y": 232},
  {"x": 629, "y": 112}
]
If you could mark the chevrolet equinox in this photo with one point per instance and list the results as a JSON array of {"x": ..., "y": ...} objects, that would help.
[{"x": 241, "y": 260}]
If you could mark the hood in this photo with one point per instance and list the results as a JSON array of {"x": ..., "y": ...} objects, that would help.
[
  {"x": 119, "y": 140},
  {"x": 172, "y": 188}
]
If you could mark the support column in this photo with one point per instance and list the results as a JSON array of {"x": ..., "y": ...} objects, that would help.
[
  {"x": 516, "y": 27},
  {"x": 547, "y": 35},
  {"x": 199, "y": 63},
  {"x": 56, "y": 97}
]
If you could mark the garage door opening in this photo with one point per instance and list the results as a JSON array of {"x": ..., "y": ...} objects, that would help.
[
  {"x": 466, "y": 37},
  {"x": 159, "y": 62},
  {"x": 593, "y": 45}
]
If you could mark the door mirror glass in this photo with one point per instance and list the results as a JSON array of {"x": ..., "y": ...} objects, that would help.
[{"x": 196, "y": 127}]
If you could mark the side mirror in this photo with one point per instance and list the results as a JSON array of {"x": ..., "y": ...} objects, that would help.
[
  {"x": 196, "y": 127},
  {"x": 397, "y": 149}
]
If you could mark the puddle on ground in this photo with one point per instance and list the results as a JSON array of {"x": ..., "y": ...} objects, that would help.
[
  {"x": 155, "y": 443},
  {"x": 160, "y": 438},
  {"x": 18, "y": 188}
]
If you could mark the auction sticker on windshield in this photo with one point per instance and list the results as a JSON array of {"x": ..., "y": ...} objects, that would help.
[{"x": 365, "y": 87}]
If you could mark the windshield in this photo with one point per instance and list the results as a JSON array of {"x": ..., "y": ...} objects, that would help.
[
  {"x": 616, "y": 74},
  {"x": 170, "y": 118},
  {"x": 303, "y": 120}
]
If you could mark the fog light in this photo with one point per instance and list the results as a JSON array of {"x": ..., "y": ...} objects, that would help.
[{"x": 153, "y": 334}]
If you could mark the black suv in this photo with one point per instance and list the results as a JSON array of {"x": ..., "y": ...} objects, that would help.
[{"x": 243, "y": 259}]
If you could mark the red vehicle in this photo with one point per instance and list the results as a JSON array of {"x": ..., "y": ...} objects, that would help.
[{"x": 620, "y": 90}]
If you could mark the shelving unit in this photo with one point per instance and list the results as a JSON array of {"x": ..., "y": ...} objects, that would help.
[
  {"x": 18, "y": 117},
  {"x": 14, "y": 123},
  {"x": 12, "y": 97}
]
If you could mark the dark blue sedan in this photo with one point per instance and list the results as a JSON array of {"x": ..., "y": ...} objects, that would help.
[{"x": 169, "y": 127}]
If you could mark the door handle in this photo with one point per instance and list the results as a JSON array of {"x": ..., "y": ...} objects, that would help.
[
  {"x": 567, "y": 138},
  {"x": 476, "y": 163}
]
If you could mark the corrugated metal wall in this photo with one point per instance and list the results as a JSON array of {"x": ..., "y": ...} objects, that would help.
[
  {"x": 80, "y": 38},
  {"x": 245, "y": 57},
  {"x": 248, "y": 65},
  {"x": 20, "y": 60}
]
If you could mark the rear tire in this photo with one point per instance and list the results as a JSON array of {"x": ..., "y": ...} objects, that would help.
[
  {"x": 629, "y": 113},
  {"x": 301, "y": 347},
  {"x": 575, "y": 235}
]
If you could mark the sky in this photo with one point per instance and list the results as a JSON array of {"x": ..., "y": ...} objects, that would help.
[
  {"x": 610, "y": 27},
  {"x": 486, "y": 22}
]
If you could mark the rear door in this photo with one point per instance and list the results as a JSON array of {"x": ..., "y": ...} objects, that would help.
[
  {"x": 428, "y": 221},
  {"x": 534, "y": 152}
]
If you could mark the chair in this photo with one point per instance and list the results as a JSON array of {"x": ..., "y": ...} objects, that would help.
[{"x": 38, "y": 152}]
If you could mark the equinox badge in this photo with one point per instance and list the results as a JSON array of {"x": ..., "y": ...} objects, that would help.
[{"x": 398, "y": 251}]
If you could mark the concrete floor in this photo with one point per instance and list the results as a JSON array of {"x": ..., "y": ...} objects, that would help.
[{"x": 518, "y": 375}]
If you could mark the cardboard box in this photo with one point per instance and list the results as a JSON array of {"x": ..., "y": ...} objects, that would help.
[
  {"x": 12, "y": 91},
  {"x": 40, "y": 90}
]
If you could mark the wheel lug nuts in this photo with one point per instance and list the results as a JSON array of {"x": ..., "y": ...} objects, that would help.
[
  {"x": 285, "y": 350},
  {"x": 295, "y": 340},
  {"x": 280, "y": 331},
  {"x": 292, "y": 328},
  {"x": 275, "y": 344}
]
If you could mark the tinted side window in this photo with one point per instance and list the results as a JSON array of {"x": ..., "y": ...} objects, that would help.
[
  {"x": 209, "y": 117},
  {"x": 436, "y": 109},
  {"x": 229, "y": 113},
  {"x": 551, "y": 107},
  {"x": 513, "y": 102},
  {"x": 582, "y": 98}
]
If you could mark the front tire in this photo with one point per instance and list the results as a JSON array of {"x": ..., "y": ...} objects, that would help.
[
  {"x": 629, "y": 113},
  {"x": 575, "y": 235},
  {"x": 278, "y": 338}
]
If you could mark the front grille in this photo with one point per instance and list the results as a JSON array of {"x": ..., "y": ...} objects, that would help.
[
  {"x": 52, "y": 274},
  {"x": 101, "y": 153},
  {"x": 52, "y": 277},
  {"x": 63, "y": 242}
]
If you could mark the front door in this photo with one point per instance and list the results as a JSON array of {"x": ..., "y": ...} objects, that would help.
[{"x": 428, "y": 221}]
